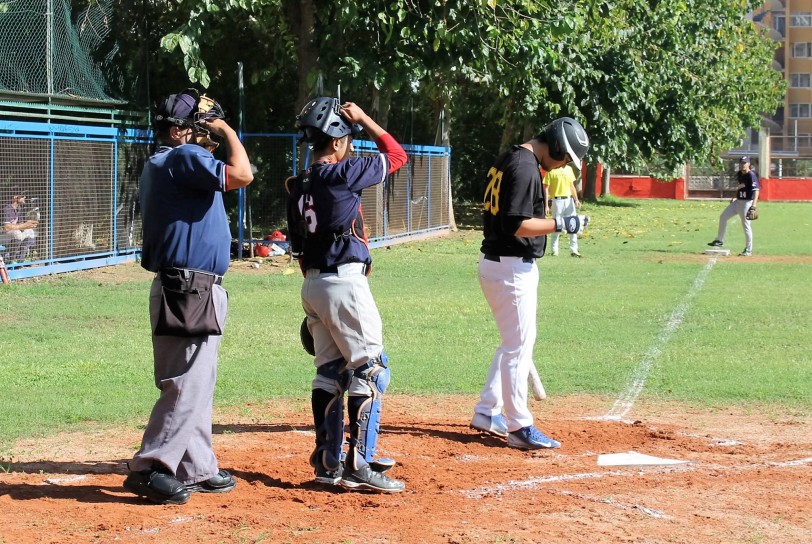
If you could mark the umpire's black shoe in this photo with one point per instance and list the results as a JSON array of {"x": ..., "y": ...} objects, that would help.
[
  {"x": 716, "y": 243},
  {"x": 156, "y": 486},
  {"x": 366, "y": 478},
  {"x": 222, "y": 482}
]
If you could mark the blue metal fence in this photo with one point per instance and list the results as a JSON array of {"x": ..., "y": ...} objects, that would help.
[
  {"x": 414, "y": 202},
  {"x": 81, "y": 182}
]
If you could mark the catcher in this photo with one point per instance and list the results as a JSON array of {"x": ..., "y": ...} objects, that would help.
[
  {"x": 745, "y": 204},
  {"x": 343, "y": 329}
]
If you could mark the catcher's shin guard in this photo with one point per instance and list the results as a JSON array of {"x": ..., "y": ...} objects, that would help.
[
  {"x": 365, "y": 412},
  {"x": 328, "y": 416}
]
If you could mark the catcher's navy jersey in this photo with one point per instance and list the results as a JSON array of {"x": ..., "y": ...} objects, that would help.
[
  {"x": 513, "y": 193},
  {"x": 750, "y": 181},
  {"x": 332, "y": 210}
]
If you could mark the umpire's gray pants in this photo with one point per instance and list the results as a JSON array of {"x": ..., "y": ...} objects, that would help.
[{"x": 178, "y": 434}]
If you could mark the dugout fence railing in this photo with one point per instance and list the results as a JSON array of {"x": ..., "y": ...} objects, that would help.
[
  {"x": 81, "y": 183},
  {"x": 412, "y": 203}
]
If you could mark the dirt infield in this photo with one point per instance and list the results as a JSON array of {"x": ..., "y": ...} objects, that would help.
[{"x": 748, "y": 481}]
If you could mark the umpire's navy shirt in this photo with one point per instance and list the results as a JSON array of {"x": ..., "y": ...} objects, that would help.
[{"x": 184, "y": 220}]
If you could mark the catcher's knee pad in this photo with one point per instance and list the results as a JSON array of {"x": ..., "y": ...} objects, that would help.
[
  {"x": 333, "y": 377},
  {"x": 365, "y": 411},
  {"x": 328, "y": 416}
]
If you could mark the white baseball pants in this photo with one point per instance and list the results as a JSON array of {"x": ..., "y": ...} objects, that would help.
[
  {"x": 511, "y": 288},
  {"x": 563, "y": 207}
]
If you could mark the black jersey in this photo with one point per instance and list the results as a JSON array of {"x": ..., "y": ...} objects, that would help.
[
  {"x": 513, "y": 194},
  {"x": 750, "y": 181}
]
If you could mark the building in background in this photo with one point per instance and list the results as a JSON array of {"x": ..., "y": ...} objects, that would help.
[{"x": 790, "y": 128}]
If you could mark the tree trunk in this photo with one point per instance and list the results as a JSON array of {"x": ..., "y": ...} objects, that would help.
[
  {"x": 590, "y": 182},
  {"x": 605, "y": 190},
  {"x": 444, "y": 138},
  {"x": 301, "y": 17},
  {"x": 383, "y": 100}
]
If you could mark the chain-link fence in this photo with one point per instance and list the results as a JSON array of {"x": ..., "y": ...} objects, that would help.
[
  {"x": 79, "y": 184},
  {"x": 412, "y": 202}
]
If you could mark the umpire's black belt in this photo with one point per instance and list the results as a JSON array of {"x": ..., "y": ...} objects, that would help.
[
  {"x": 189, "y": 273},
  {"x": 497, "y": 258}
]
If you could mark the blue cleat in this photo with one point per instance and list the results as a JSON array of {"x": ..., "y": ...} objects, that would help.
[
  {"x": 530, "y": 438},
  {"x": 495, "y": 425}
]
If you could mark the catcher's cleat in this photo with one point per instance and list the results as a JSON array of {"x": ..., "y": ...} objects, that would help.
[
  {"x": 530, "y": 438},
  {"x": 156, "y": 486},
  {"x": 382, "y": 464},
  {"x": 222, "y": 482},
  {"x": 366, "y": 478},
  {"x": 716, "y": 243},
  {"x": 495, "y": 425},
  {"x": 330, "y": 477},
  {"x": 576, "y": 254}
]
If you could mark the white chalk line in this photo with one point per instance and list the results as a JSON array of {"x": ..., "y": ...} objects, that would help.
[
  {"x": 538, "y": 483},
  {"x": 625, "y": 401}
]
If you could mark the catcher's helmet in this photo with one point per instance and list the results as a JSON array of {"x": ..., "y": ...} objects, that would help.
[
  {"x": 566, "y": 136},
  {"x": 322, "y": 116}
]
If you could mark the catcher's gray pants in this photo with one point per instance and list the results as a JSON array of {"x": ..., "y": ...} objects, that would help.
[
  {"x": 178, "y": 434},
  {"x": 739, "y": 207},
  {"x": 344, "y": 320}
]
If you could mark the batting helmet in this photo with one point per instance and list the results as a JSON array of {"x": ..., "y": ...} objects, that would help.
[
  {"x": 323, "y": 116},
  {"x": 307, "y": 338},
  {"x": 566, "y": 136}
]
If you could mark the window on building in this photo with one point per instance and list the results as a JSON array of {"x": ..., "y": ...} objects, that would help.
[
  {"x": 802, "y": 50},
  {"x": 799, "y": 110},
  {"x": 799, "y": 80},
  {"x": 800, "y": 19},
  {"x": 780, "y": 24}
]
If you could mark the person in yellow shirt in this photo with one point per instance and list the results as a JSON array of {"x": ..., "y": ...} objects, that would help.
[{"x": 559, "y": 187}]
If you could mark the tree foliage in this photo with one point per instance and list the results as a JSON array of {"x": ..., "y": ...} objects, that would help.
[{"x": 655, "y": 82}]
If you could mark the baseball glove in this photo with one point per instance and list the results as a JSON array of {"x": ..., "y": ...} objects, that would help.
[
  {"x": 752, "y": 213},
  {"x": 307, "y": 338}
]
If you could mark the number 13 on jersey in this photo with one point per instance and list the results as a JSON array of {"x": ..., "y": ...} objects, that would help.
[{"x": 492, "y": 191}]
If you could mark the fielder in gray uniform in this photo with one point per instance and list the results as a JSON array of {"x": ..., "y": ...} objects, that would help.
[
  {"x": 746, "y": 197},
  {"x": 187, "y": 243}
]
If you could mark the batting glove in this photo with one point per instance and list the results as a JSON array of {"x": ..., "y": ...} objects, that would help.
[{"x": 573, "y": 224}]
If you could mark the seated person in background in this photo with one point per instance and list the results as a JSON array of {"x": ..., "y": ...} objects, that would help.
[{"x": 17, "y": 232}]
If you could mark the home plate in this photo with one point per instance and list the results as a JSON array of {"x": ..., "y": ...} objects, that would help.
[
  {"x": 633, "y": 458},
  {"x": 724, "y": 252}
]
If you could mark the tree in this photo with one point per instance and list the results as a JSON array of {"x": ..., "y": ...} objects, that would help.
[{"x": 653, "y": 82}]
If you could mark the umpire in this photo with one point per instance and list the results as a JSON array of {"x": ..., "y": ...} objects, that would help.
[{"x": 187, "y": 244}]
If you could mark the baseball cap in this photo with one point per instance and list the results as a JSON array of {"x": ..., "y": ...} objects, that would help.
[
  {"x": 744, "y": 159},
  {"x": 177, "y": 108}
]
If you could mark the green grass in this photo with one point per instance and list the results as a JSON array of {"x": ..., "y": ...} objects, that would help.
[{"x": 75, "y": 351}]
